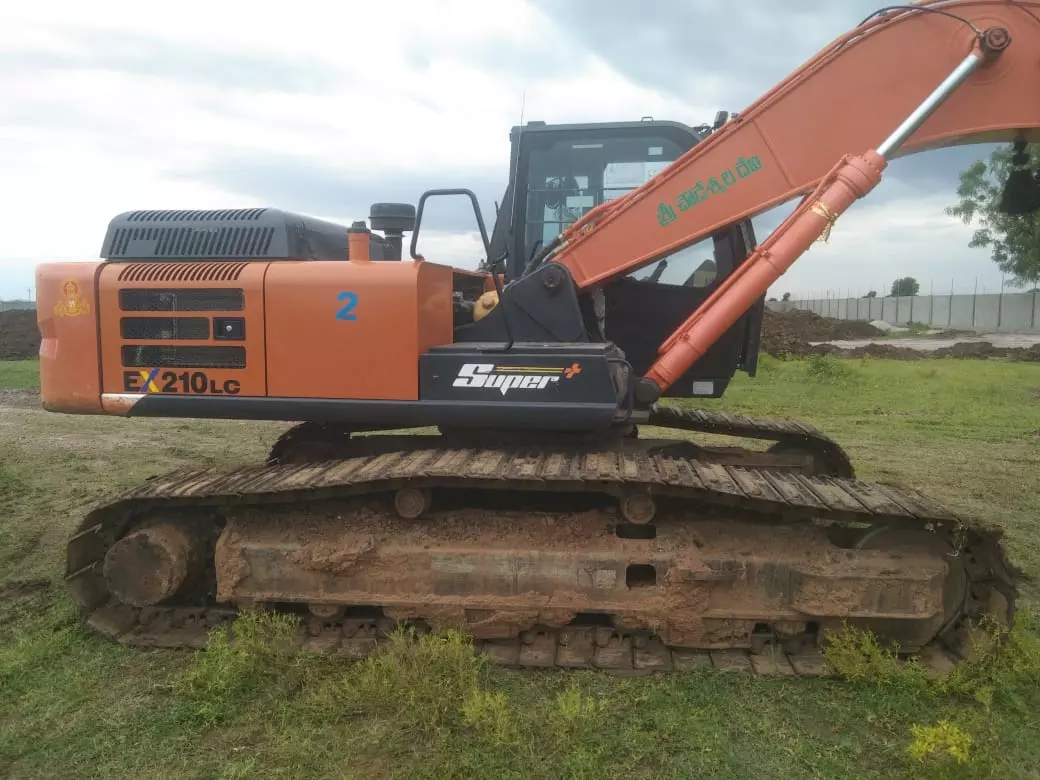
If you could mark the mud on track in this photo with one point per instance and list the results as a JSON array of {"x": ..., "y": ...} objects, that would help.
[{"x": 514, "y": 624}]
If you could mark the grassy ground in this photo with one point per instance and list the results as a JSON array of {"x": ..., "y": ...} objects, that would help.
[
  {"x": 72, "y": 705},
  {"x": 19, "y": 373}
]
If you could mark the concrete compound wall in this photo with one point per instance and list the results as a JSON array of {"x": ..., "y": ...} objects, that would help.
[
  {"x": 1007, "y": 313},
  {"x": 11, "y": 305}
]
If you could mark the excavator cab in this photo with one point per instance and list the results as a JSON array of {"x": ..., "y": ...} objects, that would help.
[{"x": 558, "y": 172}]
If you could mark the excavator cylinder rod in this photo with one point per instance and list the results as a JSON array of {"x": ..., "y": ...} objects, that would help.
[{"x": 910, "y": 125}]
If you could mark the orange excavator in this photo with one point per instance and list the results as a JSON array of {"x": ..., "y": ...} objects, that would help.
[{"x": 499, "y": 450}]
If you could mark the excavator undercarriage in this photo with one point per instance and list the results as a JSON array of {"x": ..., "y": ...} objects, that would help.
[{"x": 646, "y": 554}]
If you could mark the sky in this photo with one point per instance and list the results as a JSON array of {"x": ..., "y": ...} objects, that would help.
[{"x": 323, "y": 108}]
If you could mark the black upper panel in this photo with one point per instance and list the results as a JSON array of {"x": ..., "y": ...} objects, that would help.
[{"x": 215, "y": 234}]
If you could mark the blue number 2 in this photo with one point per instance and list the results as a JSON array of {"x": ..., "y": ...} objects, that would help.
[{"x": 347, "y": 312}]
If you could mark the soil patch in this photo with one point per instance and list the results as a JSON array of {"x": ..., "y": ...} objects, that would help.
[
  {"x": 887, "y": 351},
  {"x": 22, "y": 587},
  {"x": 19, "y": 334},
  {"x": 983, "y": 350},
  {"x": 971, "y": 350},
  {"x": 791, "y": 331},
  {"x": 787, "y": 334},
  {"x": 20, "y": 399}
]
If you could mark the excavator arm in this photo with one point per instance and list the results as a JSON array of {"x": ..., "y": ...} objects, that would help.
[{"x": 910, "y": 79}]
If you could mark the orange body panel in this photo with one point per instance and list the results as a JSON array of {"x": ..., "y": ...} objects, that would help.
[
  {"x": 846, "y": 100},
  {"x": 354, "y": 329},
  {"x": 119, "y": 378},
  {"x": 338, "y": 330},
  {"x": 67, "y": 314}
]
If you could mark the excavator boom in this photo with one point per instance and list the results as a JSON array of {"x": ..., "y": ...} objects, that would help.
[
  {"x": 851, "y": 179},
  {"x": 845, "y": 100}
]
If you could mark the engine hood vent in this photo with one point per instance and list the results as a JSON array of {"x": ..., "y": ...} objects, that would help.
[
  {"x": 222, "y": 234},
  {"x": 182, "y": 272}
]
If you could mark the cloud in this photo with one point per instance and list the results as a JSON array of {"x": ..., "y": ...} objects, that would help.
[
  {"x": 876, "y": 242},
  {"x": 153, "y": 57},
  {"x": 324, "y": 109},
  {"x": 705, "y": 47},
  {"x": 334, "y": 190},
  {"x": 321, "y": 111},
  {"x": 725, "y": 60}
]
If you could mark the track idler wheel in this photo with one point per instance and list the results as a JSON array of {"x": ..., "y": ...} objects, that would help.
[
  {"x": 638, "y": 508},
  {"x": 151, "y": 564},
  {"x": 410, "y": 503}
]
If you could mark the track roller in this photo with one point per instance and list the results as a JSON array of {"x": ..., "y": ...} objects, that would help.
[
  {"x": 410, "y": 503},
  {"x": 638, "y": 508}
]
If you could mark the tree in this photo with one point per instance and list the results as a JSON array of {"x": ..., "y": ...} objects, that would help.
[
  {"x": 871, "y": 294},
  {"x": 906, "y": 286},
  {"x": 1014, "y": 240},
  {"x": 787, "y": 296}
]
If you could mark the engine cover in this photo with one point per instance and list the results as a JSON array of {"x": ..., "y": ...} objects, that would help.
[{"x": 221, "y": 234}]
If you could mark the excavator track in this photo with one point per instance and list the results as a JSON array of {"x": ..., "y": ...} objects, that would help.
[
  {"x": 789, "y": 435},
  {"x": 825, "y": 455},
  {"x": 652, "y": 561}
]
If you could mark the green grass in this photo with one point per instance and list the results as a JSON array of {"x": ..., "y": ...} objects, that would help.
[
  {"x": 18, "y": 374},
  {"x": 74, "y": 705}
]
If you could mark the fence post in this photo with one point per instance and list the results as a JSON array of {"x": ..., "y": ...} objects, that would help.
[
  {"x": 1000, "y": 302},
  {"x": 974, "y": 296}
]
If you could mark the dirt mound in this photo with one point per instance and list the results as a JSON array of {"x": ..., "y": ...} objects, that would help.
[
  {"x": 888, "y": 351},
  {"x": 983, "y": 349},
  {"x": 962, "y": 349},
  {"x": 791, "y": 331},
  {"x": 787, "y": 334},
  {"x": 20, "y": 399},
  {"x": 19, "y": 335}
]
